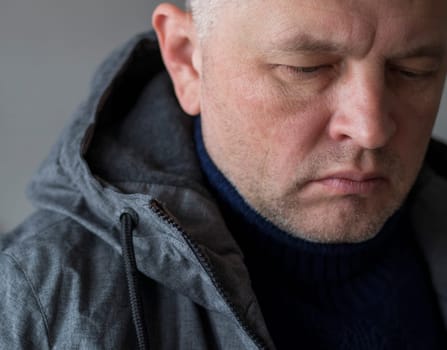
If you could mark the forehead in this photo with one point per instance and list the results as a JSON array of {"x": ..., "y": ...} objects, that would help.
[
  {"x": 367, "y": 8},
  {"x": 360, "y": 23}
]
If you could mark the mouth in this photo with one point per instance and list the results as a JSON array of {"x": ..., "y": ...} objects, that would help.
[{"x": 352, "y": 183}]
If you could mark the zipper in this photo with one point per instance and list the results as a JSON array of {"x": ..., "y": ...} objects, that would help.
[{"x": 168, "y": 218}]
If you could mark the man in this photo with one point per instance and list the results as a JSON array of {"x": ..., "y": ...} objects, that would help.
[{"x": 298, "y": 209}]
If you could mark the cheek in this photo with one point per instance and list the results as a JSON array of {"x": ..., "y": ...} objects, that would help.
[
  {"x": 267, "y": 110},
  {"x": 283, "y": 133},
  {"x": 257, "y": 127}
]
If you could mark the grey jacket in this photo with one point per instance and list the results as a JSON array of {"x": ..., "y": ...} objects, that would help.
[{"x": 62, "y": 283}]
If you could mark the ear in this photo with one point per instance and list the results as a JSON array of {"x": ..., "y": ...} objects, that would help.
[{"x": 181, "y": 53}]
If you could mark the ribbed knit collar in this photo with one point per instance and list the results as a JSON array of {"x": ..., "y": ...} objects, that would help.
[{"x": 269, "y": 249}]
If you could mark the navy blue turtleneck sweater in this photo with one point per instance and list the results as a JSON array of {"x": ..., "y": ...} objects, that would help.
[{"x": 371, "y": 295}]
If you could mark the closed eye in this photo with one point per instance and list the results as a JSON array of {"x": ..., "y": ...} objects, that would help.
[
  {"x": 318, "y": 75},
  {"x": 307, "y": 70},
  {"x": 412, "y": 74}
]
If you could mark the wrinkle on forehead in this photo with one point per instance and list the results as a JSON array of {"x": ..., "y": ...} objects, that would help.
[
  {"x": 334, "y": 30},
  {"x": 357, "y": 25}
]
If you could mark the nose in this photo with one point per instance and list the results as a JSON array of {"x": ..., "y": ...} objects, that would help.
[{"x": 362, "y": 113}]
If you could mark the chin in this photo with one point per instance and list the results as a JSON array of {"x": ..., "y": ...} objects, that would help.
[{"x": 348, "y": 222}]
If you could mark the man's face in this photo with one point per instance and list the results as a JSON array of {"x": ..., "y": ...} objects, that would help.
[{"x": 320, "y": 112}]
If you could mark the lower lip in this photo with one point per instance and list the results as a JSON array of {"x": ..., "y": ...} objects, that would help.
[{"x": 346, "y": 186}]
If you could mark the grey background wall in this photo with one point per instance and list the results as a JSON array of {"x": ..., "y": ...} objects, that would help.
[{"x": 48, "y": 52}]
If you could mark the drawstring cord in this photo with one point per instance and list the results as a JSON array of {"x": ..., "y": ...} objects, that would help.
[{"x": 136, "y": 303}]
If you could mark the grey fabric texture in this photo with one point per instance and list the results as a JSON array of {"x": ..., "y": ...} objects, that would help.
[{"x": 62, "y": 284}]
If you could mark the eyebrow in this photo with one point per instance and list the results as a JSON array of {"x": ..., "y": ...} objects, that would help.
[
  {"x": 308, "y": 43},
  {"x": 434, "y": 51}
]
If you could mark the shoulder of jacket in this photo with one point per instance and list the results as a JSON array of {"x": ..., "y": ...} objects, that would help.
[
  {"x": 48, "y": 243},
  {"x": 24, "y": 323},
  {"x": 65, "y": 274},
  {"x": 47, "y": 230}
]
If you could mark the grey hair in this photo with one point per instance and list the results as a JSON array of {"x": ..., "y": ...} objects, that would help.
[{"x": 204, "y": 14}]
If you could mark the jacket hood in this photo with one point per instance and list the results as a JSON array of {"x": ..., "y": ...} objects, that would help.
[{"x": 113, "y": 156}]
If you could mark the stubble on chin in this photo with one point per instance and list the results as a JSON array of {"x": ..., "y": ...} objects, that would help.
[{"x": 331, "y": 222}]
